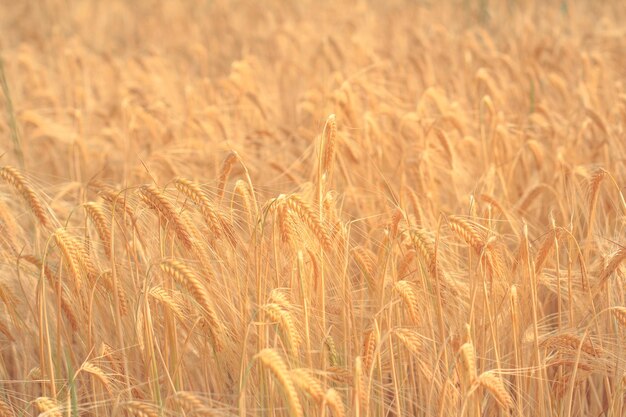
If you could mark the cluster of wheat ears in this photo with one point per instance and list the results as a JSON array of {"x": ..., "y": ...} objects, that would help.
[{"x": 354, "y": 208}]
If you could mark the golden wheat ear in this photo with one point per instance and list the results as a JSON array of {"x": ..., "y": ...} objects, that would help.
[
  {"x": 13, "y": 177},
  {"x": 272, "y": 361}
]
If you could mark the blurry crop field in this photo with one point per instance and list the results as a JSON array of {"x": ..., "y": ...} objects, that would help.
[{"x": 313, "y": 208}]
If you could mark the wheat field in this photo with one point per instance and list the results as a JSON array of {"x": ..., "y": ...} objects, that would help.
[{"x": 313, "y": 208}]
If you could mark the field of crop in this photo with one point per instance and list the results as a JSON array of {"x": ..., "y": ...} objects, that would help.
[{"x": 313, "y": 208}]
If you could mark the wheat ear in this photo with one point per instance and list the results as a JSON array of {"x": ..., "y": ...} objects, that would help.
[
  {"x": 468, "y": 357},
  {"x": 410, "y": 338},
  {"x": 69, "y": 250},
  {"x": 328, "y": 155},
  {"x": 620, "y": 315},
  {"x": 66, "y": 305},
  {"x": 227, "y": 166},
  {"x": 275, "y": 363},
  {"x": 305, "y": 381},
  {"x": 468, "y": 231},
  {"x": 495, "y": 386},
  {"x": 6, "y": 410},
  {"x": 209, "y": 213},
  {"x": 307, "y": 216},
  {"x": 334, "y": 402},
  {"x": 279, "y": 314},
  {"x": 185, "y": 277},
  {"x": 614, "y": 263},
  {"x": 22, "y": 186},
  {"x": 140, "y": 409},
  {"x": 96, "y": 214},
  {"x": 153, "y": 197},
  {"x": 48, "y": 406},
  {"x": 409, "y": 296}
]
